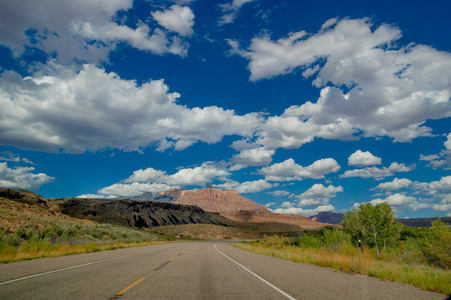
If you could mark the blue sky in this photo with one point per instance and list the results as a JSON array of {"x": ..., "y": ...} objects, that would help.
[{"x": 302, "y": 106}]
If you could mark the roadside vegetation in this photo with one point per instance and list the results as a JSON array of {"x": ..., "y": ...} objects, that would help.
[
  {"x": 389, "y": 251},
  {"x": 27, "y": 232}
]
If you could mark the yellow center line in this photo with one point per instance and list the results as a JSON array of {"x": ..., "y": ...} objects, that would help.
[
  {"x": 130, "y": 286},
  {"x": 172, "y": 259}
]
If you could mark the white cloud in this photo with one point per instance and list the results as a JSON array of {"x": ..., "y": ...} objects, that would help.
[
  {"x": 442, "y": 160},
  {"x": 231, "y": 10},
  {"x": 377, "y": 173},
  {"x": 369, "y": 87},
  {"x": 396, "y": 184},
  {"x": 201, "y": 175},
  {"x": 133, "y": 189},
  {"x": 176, "y": 18},
  {"x": 304, "y": 212},
  {"x": 279, "y": 193},
  {"x": 92, "y": 110},
  {"x": 443, "y": 186},
  {"x": 363, "y": 159},
  {"x": 82, "y": 30},
  {"x": 253, "y": 157},
  {"x": 22, "y": 178},
  {"x": 9, "y": 156},
  {"x": 289, "y": 170},
  {"x": 429, "y": 157},
  {"x": 318, "y": 195},
  {"x": 248, "y": 186},
  {"x": 92, "y": 196}
]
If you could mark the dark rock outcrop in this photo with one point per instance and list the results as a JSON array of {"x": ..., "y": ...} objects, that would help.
[{"x": 137, "y": 213}]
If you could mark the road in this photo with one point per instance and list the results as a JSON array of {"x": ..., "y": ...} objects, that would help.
[{"x": 192, "y": 270}]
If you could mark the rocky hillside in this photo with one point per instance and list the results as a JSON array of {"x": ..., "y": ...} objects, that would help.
[
  {"x": 211, "y": 199},
  {"x": 121, "y": 212},
  {"x": 137, "y": 213},
  {"x": 254, "y": 216}
]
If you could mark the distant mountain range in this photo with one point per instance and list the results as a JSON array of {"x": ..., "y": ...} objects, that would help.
[
  {"x": 328, "y": 217},
  {"x": 336, "y": 218}
]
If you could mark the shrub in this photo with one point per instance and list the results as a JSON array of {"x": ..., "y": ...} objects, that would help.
[{"x": 309, "y": 241}]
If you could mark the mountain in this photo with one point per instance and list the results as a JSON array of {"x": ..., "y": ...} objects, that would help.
[
  {"x": 328, "y": 217},
  {"x": 262, "y": 216},
  {"x": 147, "y": 196},
  {"x": 120, "y": 212},
  {"x": 211, "y": 199}
]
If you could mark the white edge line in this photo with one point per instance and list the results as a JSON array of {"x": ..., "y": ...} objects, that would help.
[
  {"x": 78, "y": 266},
  {"x": 268, "y": 283}
]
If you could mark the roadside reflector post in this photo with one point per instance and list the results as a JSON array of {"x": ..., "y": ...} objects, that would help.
[{"x": 360, "y": 244}]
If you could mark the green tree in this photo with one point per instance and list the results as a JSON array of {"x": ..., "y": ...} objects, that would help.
[
  {"x": 437, "y": 245},
  {"x": 373, "y": 224}
]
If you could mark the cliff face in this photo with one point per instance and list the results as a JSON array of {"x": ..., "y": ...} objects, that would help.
[
  {"x": 254, "y": 216},
  {"x": 217, "y": 200}
]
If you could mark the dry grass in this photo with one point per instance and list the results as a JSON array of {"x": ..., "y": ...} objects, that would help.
[
  {"x": 44, "y": 249},
  {"x": 425, "y": 277}
]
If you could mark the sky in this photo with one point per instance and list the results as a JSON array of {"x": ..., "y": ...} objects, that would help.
[{"x": 301, "y": 106}]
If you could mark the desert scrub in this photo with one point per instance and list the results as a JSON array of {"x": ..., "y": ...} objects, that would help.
[{"x": 53, "y": 237}]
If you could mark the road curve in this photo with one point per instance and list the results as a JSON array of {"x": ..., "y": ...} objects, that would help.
[{"x": 193, "y": 270}]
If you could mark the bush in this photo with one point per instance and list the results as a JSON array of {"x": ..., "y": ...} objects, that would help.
[
  {"x": 309, "y": 241},
  {"x": 331, "y": 238}
]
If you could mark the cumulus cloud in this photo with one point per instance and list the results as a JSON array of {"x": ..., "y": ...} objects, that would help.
[
  {"x": 201, "y": 175},
  {"x": 81, "y": 30},
  {"x": 442, "y": 186},
  {"x": 363, "y": 159},
  {"x": 369, "y": 87},
  {"x": 177, "y": 18},
  {"x": 231, "y": 10},
  {"x": 289, "y": 170},
  {"x": 93, "y": 110},
  {"x": 253, "y": 157},
  {"x": 318, "y": 195},
  {"x": 248, "y": 186},
  {"x": 399, "y": 202},
  {"x": 133, "y": 189},
  {"x": 22, "y": 178},
  {"x": 396, "y": 184},
  {"x": 378, "y": 173}
]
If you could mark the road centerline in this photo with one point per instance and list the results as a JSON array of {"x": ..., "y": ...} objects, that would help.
[
  {"x": 129, "y": 287},
  {"x": 265, "y": 281}
]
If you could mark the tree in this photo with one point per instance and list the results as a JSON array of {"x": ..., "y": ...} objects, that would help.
[
  {"x": 436, "y": 246},
  {"x": 373, "y": 224}
]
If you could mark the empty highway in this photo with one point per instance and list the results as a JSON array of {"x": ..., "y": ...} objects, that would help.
[{"x": 192, "y": 270}]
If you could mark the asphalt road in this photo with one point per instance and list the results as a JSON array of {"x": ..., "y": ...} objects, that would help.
[{"x": 194, "y": 270}]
